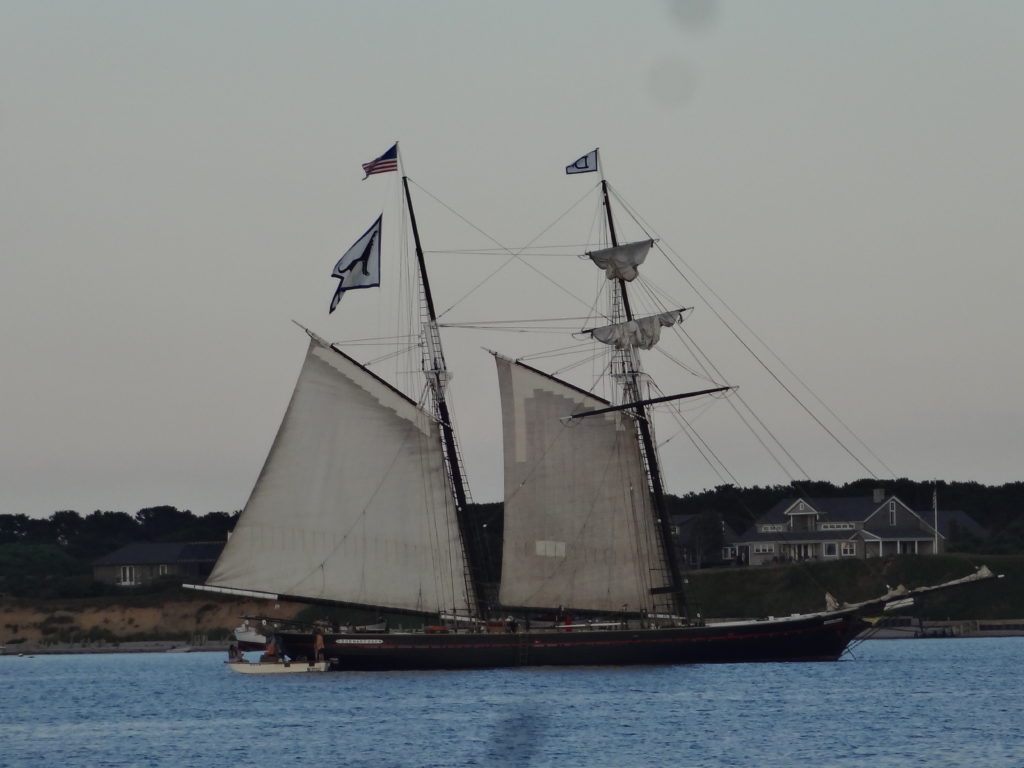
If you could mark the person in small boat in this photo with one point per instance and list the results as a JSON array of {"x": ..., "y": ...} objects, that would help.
[
  {"x": 270, "y": 654},
  {"x": 234, "y": 654}
]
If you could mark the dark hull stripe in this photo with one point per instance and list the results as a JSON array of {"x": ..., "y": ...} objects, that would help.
[{"x": 818, "y": 639}]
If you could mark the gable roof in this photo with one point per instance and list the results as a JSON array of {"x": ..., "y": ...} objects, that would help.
[
  {"x": 839, "y": 510},
  {"x": 857, "y": 510},
  {"x": 161, "y": 552},
  {"x": 956, "y": 517}
]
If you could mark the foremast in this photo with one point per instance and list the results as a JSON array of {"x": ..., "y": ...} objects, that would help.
[
  {"x": 435, "y": 370},
  {"x": 626, "y": 367}
]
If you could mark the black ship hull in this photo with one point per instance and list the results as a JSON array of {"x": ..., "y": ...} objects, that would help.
[{"x": 816, "y": 637}]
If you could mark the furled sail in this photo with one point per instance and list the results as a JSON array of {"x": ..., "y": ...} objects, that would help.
[
  {"x": 579, "y": 532},
  {"x": 353, "y": 503},
  {"x": 642, "y": 332},
  {"x": 621, "y": 261}
]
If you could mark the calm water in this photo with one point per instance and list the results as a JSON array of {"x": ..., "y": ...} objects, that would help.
[{"x": 896, "y": 703}]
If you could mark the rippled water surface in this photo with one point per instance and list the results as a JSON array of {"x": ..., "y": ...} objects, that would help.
[{"x": 894, "y": 703}]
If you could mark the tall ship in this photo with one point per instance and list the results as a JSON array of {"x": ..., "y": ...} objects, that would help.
[{"x": 363, "y": 502}]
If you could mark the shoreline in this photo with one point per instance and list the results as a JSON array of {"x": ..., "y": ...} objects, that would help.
[
  {"x": 141, "y": 646},
  {"x": 909, "y": 627},
  {"x": 893, "y": 628}
]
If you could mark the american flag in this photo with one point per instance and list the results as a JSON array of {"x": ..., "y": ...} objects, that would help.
[{"x": 386, "y": 162}]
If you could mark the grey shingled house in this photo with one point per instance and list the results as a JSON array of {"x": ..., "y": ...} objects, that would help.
[
  {"x": 140, "y": 562},
  {"x": 830, "y": 529}
]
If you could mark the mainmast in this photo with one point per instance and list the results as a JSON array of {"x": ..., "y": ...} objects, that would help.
[
  {"x": 628, "y": 365},
  {"x": 437, "y": 375}
]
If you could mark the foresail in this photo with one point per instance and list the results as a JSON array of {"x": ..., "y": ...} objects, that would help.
[
  {"x": 353, "y": 503},
  {"x": 579, "y": 532},
  {"x": 621, "y": 261},
  {"x": 642, "y": 332}
]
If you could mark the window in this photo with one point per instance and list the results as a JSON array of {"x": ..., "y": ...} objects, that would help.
[
  {"x": 773, "y": 527},
  {"x": 801, "y": 507},
  {"x": 849, "y": 548},
  {"x": 764, "y": 549},
  {"x": 830, "y": 549},
  {"x": 162, "y": 570},
  {"x": 835, "y": 526},
  {"x": 892, "y": 513},
  {"x": 550, "y": 548},
  {"x": 127, "y": 574}
]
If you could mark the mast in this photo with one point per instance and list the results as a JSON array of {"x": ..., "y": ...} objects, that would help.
[
  {"x": 630, "y": 370},
  {"x": 436, "y": 372}
]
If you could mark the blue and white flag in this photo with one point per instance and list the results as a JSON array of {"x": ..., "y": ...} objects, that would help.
[
  {"x": 585, "y": 164},
  {"x": 360, "y": 266}
]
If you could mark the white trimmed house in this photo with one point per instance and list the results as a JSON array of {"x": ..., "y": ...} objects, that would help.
[
  {"x": 831, "y": 529},
  {"x": 141, "y": 562}
]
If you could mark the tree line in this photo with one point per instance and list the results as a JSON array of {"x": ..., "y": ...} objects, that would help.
[
  {"x": 53, "y": 556},
  {"x": 99, "y": 533}
]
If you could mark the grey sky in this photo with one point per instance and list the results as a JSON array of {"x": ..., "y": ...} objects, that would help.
[{"x": 179, "y": 178}]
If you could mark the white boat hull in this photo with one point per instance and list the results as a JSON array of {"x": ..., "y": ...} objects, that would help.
[{"x": 276, "y": 667}]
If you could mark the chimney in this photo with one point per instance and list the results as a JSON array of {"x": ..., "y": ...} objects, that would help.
[{"x": 879, "y": 495}]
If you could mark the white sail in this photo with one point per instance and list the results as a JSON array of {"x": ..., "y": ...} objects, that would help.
[
  {"x": 642, "y": 332},
  {"x": 621, "y": 261},
  {"x": 353, "y": 503},
  {"x": 579, "y": 532}
]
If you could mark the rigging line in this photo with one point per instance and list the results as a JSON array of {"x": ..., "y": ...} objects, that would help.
[
  {"x": 705, "y": 363},
  {"x": 377, "y": 340},
  {"x": 703, "y": 360},
  {"x": 696, "y": 374},
  {"x": 771, "y": 434},
  {"x": 645, "y": 546},
  {"x": 687, "y": 428},
  {"x": 579, "y": 363},
  {"x": 505, "y": 249},
  {"x": 787, "y": 389},
  {"x": 558, "y": 352},
  {"x": 513, "y": 255},
  {"x": 436, "y": 520},
  {"x": 391, "y": 355},
  {"x": 771, "y": 373},
  {"x": 434, "y": 538},
  {"x": 703, "y": 448},
  {"x": 523, "y": 329},
  {"x": 561, "y": 329},
  {"x": 509, "y": 322},
  {"x": 656, "y": 300}
]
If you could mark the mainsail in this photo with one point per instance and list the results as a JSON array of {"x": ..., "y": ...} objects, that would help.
[
  {"x": 579, "y": 531},
  {"x": 353, "y": 503}
]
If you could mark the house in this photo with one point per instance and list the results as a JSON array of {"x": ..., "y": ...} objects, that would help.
[
  {"x": 703, "y": 540},
  {"x": 831, "y": 529},
  {"x": 141, "y": 562}
]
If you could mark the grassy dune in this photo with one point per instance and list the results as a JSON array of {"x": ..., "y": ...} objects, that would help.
[{"x": 783, "y": 589}]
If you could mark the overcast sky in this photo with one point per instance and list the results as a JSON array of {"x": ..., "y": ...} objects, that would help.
[{"x": 179, "y": 178}]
